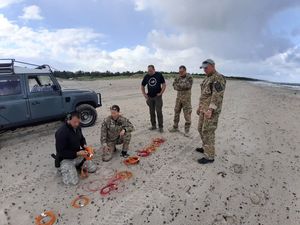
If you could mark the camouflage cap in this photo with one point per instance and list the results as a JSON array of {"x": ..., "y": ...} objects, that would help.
[{"x": 206, "y": 63}]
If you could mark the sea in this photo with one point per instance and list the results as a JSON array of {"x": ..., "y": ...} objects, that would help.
[{"x": 291, "y": 86}]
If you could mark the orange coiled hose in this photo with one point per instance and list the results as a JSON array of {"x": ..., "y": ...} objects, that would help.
[
  {"x": 77, "y": 202},
  {"x": 90, "y": 151},
  {"x": 39, "y": 219},
  {"x": 108, "y": 188},
  {"x": 132, "y": 160}
]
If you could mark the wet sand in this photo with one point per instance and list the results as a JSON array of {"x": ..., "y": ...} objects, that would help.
[{"x": 254, "y": 180}]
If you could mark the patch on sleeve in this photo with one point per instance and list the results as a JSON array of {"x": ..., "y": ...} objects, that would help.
[{"x": 218, "y": 86}]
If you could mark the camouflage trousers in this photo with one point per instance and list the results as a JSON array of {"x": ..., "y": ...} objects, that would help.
[
  {"x": 207, "y": 128},
  {"x": 69, "y": 172},
  {"x": 183, "y": 103},
  {"x": 108, "y": 152}
]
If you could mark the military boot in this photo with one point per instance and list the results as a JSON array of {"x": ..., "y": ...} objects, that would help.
[
  {"x": 187, "y": 133},
  {"x": 173, "y": 129}
]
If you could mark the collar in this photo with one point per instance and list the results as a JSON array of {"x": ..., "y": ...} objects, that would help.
[
  {"x": 71, "y": 128},
  {"x": 115, "y": 119},
  {"x": 214, "y": 73}
]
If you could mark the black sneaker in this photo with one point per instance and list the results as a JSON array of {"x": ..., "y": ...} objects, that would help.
[
  {"x": 201, "y": 150},
  {"x": 205, "y": 161},
  {"x": 124, "y": 154},
  {"x": 153, "y": 128},
  {"x": 161, "y": 130}
]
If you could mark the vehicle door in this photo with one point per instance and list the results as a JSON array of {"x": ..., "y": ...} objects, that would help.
[
  {"x": 45, "y": 98},
  {"x": 13, "y": 106}
]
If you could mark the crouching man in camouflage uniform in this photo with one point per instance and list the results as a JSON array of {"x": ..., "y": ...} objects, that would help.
[
  {"x": 69, "y": 156},
  {"x": 183, "y": 85},
  {"x": 210, "y": 106},
  {"x": 115, "y": 130}
]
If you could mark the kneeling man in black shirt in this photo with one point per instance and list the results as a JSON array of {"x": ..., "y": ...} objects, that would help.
[{"x": 69, "y": 154}]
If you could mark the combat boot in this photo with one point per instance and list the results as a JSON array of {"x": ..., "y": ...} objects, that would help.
[
  {"x": 187, "y": 133},
  {"x": 205, "y": 161},
  {"x": 124, "y": 154},
  {"x": 173, "y": 129},
  {"x": 201, "y": 150},
  {"x": 152, "y": 128}
]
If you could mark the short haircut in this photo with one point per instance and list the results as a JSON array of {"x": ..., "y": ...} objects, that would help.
[
  {"x": 73, "y": 114},
  {"x": 115, "y": 108},
  {"x": 182, "y": 67},
  {"x": 151, "y": 66}
]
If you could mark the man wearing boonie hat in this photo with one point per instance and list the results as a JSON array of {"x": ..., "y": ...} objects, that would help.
[{"x": 210, "y": 106}]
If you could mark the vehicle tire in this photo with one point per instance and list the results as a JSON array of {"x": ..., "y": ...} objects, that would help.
[{"x": 88, "y": 115}]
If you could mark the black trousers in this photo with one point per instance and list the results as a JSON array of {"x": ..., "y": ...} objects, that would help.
[{"x": 155, "y": 105}]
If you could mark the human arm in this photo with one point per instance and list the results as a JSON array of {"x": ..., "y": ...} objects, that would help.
[
  {"x": 218, "y": 88},
  {"x": 144, "y": 92},
  {"x": 82, "y": 139},
  {"x": 144, "y": 83},
  {"x": 163, "y": 86},
  {"x": 103, "y": 138}
]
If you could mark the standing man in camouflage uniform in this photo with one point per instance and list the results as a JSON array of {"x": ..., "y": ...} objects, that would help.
[
  {"x": 156, "y": 85},
  {"x": 210, "y": 106},
  {"x": 69, "y": 141},
  {"x": 115, "y": 130},
  {"x": 183, "y": 85}
]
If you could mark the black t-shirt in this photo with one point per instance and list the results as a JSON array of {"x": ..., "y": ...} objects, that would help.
[
  {"x": 68, "y": 142},
  {"x": 153, "y": 83}
]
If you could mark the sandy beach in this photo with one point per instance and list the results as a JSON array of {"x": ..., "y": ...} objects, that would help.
[{"x": 254, "y": 179}]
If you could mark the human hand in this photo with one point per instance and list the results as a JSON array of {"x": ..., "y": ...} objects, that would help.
[
  {"x": 159, "y": 94},
  {"x": 208, "y": 114},
  {"x": 82, "y": 153},
  {"x": 122, "y": 133},
  {"x": 146, "y": 96}
]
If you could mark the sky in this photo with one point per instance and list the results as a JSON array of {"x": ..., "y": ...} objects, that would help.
[{"x": 253, "y": 38}]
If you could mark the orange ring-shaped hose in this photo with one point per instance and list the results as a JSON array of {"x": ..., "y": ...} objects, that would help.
[
  {"x": 143, "y": 153},
  {"x": 158, "y": 140},
  {"x": 75, "y": 203},
  {"x": 132, "y": 160},
  {"x": 156, "y": 144},
  {"x": 108, "y": 188},
  {"x": 124, "y": 175},
  {"x": 39, "y": 218},
  {"x": 150, "y": 149},
  {"x": 90, "y": 151}
]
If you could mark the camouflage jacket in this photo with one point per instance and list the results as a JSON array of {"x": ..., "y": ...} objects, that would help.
[
  {"x": 183, "y": 85},
  {"x": 110, "y": 129},
  {"x": 212, "y": 92}
]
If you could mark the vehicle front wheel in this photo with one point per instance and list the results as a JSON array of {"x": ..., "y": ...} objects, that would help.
[{"x": 88, "y": 115}]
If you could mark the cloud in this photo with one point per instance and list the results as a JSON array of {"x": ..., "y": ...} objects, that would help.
[
  {"x": 32, "y": 12},
  {"x": 236, "y": 35},
  {"x": 235, "y": 32},
  {"x": 140, "y": 5},
  {"x": 5, "y": 3}
]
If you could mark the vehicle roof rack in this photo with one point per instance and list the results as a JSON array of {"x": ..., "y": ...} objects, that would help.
[{"x": 12, "y": 66}]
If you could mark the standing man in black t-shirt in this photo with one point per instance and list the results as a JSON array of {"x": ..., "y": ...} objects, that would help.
[{"x": 156, "y": 87}]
